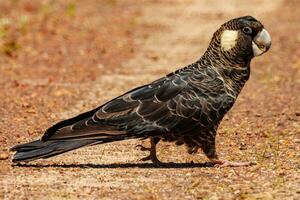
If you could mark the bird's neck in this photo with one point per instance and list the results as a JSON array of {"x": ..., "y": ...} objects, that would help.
[
  {"x": 235, "y": 72},
  {"x": 235, "y": 76}
]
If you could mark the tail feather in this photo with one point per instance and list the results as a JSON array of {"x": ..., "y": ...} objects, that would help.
[
  {"x": 53, "y": 129},
  {"x": 38, "y": 149}
]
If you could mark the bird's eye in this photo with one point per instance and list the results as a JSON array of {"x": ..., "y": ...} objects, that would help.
[{"x": 247, "y": 30}]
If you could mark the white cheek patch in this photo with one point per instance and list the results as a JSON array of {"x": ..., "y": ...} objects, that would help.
[{"x": 228, "y": 39}]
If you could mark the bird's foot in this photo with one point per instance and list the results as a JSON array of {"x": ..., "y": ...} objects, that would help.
[
  {"x": 226, "y": 163},
  {"x": 151, "y": 157}
]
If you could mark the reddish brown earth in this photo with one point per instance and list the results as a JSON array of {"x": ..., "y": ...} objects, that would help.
[{"x": 60, "y": 58}]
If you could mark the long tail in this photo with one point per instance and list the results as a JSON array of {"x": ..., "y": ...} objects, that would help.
[
  {"x": 82, "y": 130},
  {"x": 38, "y": 149}
]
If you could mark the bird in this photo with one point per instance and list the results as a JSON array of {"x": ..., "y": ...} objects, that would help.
[{"x": 184, "y": 107}]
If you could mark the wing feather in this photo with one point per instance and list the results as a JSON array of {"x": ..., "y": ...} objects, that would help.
[{"x": 179, "y": 103}]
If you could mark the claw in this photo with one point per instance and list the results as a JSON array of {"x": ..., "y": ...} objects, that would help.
[
  {"x": 154, "y": 160},
  {"x": 146, "y": 158},
  {"x": 142, "y": 148}
]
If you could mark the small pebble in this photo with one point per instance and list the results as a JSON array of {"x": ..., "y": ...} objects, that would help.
[{"x": 3, "y": 156}]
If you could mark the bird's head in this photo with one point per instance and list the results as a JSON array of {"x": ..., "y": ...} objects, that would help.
[{"x": 241, "y": 39}]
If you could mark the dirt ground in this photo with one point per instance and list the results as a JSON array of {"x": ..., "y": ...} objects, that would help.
[{"x": 60, "y": 58}]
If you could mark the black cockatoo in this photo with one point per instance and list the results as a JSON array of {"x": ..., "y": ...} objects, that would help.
[{"x": 184, "y": 107}]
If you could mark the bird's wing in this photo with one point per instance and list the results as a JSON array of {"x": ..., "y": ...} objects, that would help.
[{"x": 176, "y": 103}]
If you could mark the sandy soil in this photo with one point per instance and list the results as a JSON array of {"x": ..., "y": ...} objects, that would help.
[{"x": 59, "y": 58}]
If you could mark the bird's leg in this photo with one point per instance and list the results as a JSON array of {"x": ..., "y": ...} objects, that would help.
[
  {"x": 210, "y": 151},
  {"x": 152, "y": 150}
]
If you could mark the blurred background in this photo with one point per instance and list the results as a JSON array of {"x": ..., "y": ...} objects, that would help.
[{"x": 62, "y": 57}]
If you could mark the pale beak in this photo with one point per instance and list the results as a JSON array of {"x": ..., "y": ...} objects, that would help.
[{"x": 261, "y": 43}]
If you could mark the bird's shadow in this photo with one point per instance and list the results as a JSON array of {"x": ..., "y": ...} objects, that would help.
[{"x": 122, "y": 165}]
